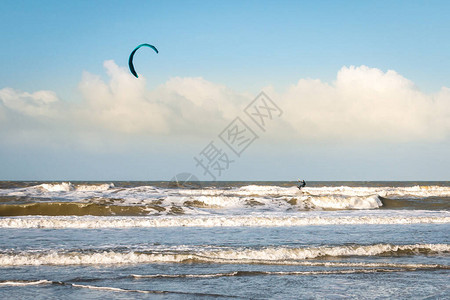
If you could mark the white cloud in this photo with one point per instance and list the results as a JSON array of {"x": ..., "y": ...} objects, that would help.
[
  {"x": 180, "y": 105},
  {"x": 35, "y": 104},
  {"x": 121, "y": 105},
  {"x": 366, "y": 104},
  {"x": 363, "y": 104}
]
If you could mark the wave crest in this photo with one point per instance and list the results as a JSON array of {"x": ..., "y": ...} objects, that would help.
[
  {"x": 324, "y": 218},
  {"x": 270, "y": 255},
  {"x": 68, "y": 187}
]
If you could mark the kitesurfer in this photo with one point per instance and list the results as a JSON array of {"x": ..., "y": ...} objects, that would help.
[{"x": 301, "y": 184}]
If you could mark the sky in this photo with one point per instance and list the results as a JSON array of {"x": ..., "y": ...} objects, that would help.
[{"x": 359, "y": 90}]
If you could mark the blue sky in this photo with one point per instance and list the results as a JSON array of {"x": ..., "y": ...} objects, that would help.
[{"x": 242, "y": 47}]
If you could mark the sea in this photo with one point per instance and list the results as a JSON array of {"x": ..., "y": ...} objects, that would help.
[{"x": 214, "y": 240}]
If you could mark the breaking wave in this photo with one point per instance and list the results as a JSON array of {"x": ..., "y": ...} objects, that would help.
[
  {"x": 24, "y": 282},
  {"x": 102, "y": 288},
  {"x": 104, "y": 199},
  {"x": 114, "y": 207},
  {"x": 67, "y": 187},
  {"x": 299, "y": 219},
  {"x": 276, "y": 273},
  {"x": 270, "y": 255}
]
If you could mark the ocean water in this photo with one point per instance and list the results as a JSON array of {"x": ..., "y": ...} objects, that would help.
[{"x": 245, "y": 240}]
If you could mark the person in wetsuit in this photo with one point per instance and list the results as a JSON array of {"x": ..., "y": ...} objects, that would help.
[{"x": 301, "y": 184}]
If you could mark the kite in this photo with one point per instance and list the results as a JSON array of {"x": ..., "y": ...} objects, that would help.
[{"x": 130, "y": 60}]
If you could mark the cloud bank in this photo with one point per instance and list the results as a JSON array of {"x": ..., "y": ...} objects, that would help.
[
  {"x": 362, "y": 104},
  {"x": 367, "y": 104}
]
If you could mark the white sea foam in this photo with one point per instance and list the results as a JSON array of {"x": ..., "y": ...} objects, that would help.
[
  {"x": 113, "y": 289},
  {"x": 255, "y": 220},
  {"x": 122, "y": 290},
  {"x": 272, "y": 198},
  {"x": 94, "y": 287},
  {"x": 213, "y": 275},
  {"x": 346, "y": 202},
  {"x": 250, "y": 198},
  {"x": 270, "y": 255},
  {"x": 57, "y": 187},
  {"x": 250, "y": 190},
  {"x": 391, "y": 192},
  {"x": 24, "y": 282},
  {"x": 94, "y": 187},
  {"x": 265, "y": 273},
  {"x": 62, "y": 187}
]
